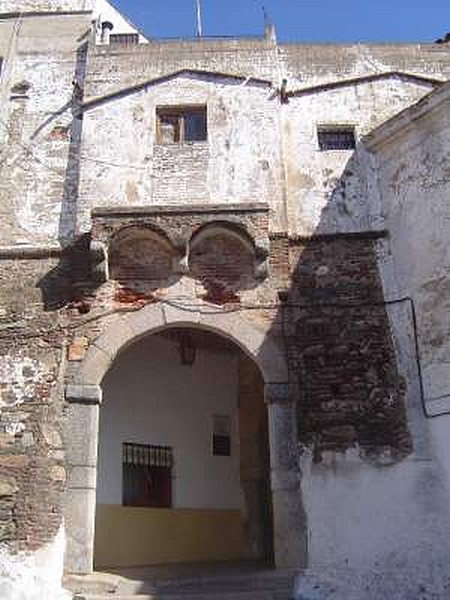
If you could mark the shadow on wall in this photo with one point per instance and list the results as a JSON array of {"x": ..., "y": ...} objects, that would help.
[
  {"x": 336, "y": 331},
  {"x": 68, "y": 216},
  {"x": 331, "y": 319},
  {"x": 71, "y": 280},
  {"x": 74, "y": 281}
]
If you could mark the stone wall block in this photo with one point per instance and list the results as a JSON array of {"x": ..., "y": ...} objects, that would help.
[
  {"x": 282, "y": 437},
  {"x": 290, "y": 529},
  {"x": 145, "y": 319},
  {"x": 80, "y": 523},
  {"x": 115, "y": 337},
  {"x": 80, "y": 432},
  {"x": 94, "y": 366},
  {"x": 175, "y": 314}
]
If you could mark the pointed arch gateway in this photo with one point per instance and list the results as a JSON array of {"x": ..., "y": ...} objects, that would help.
[{"x": 81, "y": 427}]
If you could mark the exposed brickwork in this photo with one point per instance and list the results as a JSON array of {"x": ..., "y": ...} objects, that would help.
[
  {"x": 334, "y": 327},
  {"x": 140, "y": 258},
  {"x": 342, "y": 354},
  {"x": 180, "y": 223},
  {"x": 329, "y": 317},
  {"x": 180, "y": 171},
  {"x": 32, "y": 472},
  {"x": 223, "y": 264}
]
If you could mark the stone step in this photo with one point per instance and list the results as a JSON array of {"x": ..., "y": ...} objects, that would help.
[
  {"x": 260, "y": 585},
  {"x": 280, "y": 594}
]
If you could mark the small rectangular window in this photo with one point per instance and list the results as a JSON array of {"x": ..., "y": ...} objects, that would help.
[
  {"x": 147, "y": 475},
  {"x": 181, "y": 124},
  {"x": 221, "y": 438},
  {"x": 124, "y": 38},
  {"x": 337, "y": 138}
]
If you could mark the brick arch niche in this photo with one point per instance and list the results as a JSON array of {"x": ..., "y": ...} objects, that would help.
[
  {"x": 83, "y": 397},
  {"x": 223, "y": 259},
  {"x": 140, "y": 256}
]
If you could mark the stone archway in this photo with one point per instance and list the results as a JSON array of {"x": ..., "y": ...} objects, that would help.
[{"x": 83, "y": 395}]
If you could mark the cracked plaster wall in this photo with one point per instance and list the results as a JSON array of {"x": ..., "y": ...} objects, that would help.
[
  {"x": 38, "y": 133},
  {"x": 240, "y": 162},
  {"x": 413, "y": 177},
  {"x": 408, "y": 175},
  {"x": 38, "y": 204}
]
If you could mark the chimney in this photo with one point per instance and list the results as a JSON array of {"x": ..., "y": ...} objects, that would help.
[{"x": 107, "y": 27}]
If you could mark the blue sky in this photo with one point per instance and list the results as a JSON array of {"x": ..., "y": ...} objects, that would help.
[{"x": 297, "y": 20}]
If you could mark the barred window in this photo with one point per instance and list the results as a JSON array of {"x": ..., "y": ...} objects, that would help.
[
  {"x": 124, "y": 38},
  {"x": 336, "y": 138},
  {"x": 221, "y": 435},
  {"x": 147, "y": 475}
]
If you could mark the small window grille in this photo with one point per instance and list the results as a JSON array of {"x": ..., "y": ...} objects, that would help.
[
  {"x": 221, "y": 439},
  {"x": 124, "y": 38},
  {"x": 336, "y": 139},
  {"x": 181, "y": 124},
  {"x": 147, "y": 475}
]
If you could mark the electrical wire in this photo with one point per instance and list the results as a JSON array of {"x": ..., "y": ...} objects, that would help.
[
  {"x": 200, "y": 308},
  {"x": 82, "y": 157}
]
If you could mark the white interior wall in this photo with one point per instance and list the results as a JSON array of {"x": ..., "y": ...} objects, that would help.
[{"x": 150, "y": 398}]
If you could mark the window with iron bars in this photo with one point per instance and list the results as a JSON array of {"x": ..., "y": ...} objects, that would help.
[
  {"x": 147, "y": 475},
  {"x": 124, "y": 38},
  {"x": 336, "y": 138}
]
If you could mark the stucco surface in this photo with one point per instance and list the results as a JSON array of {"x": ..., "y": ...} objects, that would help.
[{"x": 359, "y": 474}]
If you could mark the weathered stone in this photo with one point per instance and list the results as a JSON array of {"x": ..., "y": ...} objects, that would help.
[
  {"x": 14, "y": 461},
  {"x": 27, "y": 439},
  {"x": 8, "y": 487},
  {"x": 183, "y": 227},
  {"x": 7, "y": 531},
  {"x": 58, "y": 473},
  {"x": 6, "y": 441},
  {"x": 77, "y": 349},
  {"x": 51, "y": 435}
]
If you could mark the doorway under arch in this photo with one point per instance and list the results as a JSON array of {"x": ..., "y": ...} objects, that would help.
[
  {"x": 83, "y": 395},
  {"x": 183, "y": 454}
]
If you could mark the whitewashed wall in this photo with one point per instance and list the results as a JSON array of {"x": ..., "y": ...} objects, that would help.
[
  {"x": 395, "y": 518},
  {"x": 240, "y": 162},
  {"x": 149, "y": 398},
  {"x": 256, "y": 149},
  {"x": 326, "y": 190},
  {"x": 412, "y": 169}
]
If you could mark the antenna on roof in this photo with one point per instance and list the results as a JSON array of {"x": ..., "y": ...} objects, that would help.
[
  {"x": 199, "y": 19},
  {"x": 266, "y": 16}
]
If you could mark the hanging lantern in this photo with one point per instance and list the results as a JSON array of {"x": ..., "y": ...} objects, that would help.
[{"x": 187, "y": 348}]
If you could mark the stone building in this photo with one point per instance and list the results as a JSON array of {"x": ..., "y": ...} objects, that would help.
[{"x": 224, "y": 283}]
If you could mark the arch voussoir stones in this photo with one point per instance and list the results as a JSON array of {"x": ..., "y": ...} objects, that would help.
[{"x": 83, "y": 395}]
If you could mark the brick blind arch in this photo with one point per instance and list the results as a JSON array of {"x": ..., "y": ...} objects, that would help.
[
  {"x": 139, "y": 254},
  {"x": 223, "y": 260}
]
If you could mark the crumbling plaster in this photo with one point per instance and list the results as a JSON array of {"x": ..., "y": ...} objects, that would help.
[
  {"x": 239, "y": 162},
  {"x": 327, "y": 190},
  {"x": 345, "y": 497},
  {"x": 256, "y": 148},
  {"x": 412, "y": 170},
  {"x": 37, "y": 171},
  {"x": 36, "y": 576}
]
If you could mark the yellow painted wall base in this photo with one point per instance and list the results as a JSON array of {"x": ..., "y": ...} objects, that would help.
[{"x": 132, "y": 536}]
